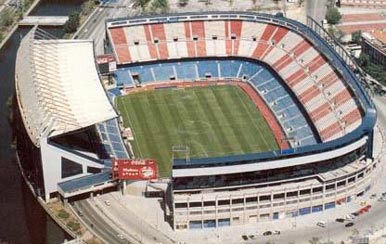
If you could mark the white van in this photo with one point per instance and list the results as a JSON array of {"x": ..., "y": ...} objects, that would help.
[{"x": 321, "y": 224}]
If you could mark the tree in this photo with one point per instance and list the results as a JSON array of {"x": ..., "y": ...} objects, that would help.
[
  {"x": 88, "y": 6},
  {"x": 6, "y": 18},
  {"x": 356, "y": 36},
  {"x": 72, "y": 23},
  {"x": 333, "y": 16}
]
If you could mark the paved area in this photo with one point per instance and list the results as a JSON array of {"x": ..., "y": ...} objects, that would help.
[{"x": 152, "y": 214}]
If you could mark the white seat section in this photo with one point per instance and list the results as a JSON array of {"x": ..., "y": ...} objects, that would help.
[
  {"x": 334, "y": 89},
  {"x": 210, "y": 48},
  {"x": 182, "y": 50},
  {"x": 346, "y": 108},
  {"x": 303, "y": 85},
  {"x": 335, "y": 135},
  {"x": 290, "y": 69},
  {"x": 274, "y": 55},
  {"x": 251, "y": 29},
  {"x": 315, "y": 102},
  {"x": 290, "y": 41},
  {"x": 143, "y": 52},
  {"x": 134, "y": 52},
  {"x": 214, "y": 28},
  {"x": 247, "y": 46},
  {"x": 321, "y": 72},
  {"x": 172, "y": 49},
  {"x": 325, "y": 121},
  {"x": 175, "y": 30},
  {"x": 354, "y": 125},
  {"x": 135, "y": 33},
  {"x": 307, "y": 56},
  {"x": 220, "y": 49}
]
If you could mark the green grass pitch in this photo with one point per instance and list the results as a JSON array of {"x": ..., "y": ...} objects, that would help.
[{"x": 210, "y": 121}]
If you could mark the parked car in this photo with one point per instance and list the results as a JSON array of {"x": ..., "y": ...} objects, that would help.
[
  {"x": 267, "y": 233},
  {"x": 373, "y": 196},
  {"x": 350, "y": 224},
  {"x": 245, "y": 238},
  {"x": 276, "y": 232},
  {"x": 321, "y": 224},
  {"x": 340, "y": 220}
]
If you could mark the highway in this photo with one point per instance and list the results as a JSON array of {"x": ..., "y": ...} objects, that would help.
[
  {"x": 94, "y": 28},
  {"x": 97, "y": 223}
]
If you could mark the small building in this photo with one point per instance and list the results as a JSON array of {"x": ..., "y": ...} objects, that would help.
[{"x": 374, "y": 45}]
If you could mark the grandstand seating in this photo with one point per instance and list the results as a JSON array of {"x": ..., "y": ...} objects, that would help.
[{"x": 304, "y": 70}]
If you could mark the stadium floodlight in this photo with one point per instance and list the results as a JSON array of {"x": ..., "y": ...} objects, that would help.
[{"x": 179, "y": 150}]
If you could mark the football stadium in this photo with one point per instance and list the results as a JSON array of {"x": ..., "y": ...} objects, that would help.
[{"x": 250, "y": 117}]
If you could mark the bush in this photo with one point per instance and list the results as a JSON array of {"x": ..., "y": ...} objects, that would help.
[
  {"x": 74, "y": 226},
  {"x": 333, "y": 16},
  {"x": 72, "y": 23},
  {"x": 6, "y": 18},
  {"x": 88, "y": 6},
  {"x": 356, "y": 37},
  {"x": 63, "y": 214}
]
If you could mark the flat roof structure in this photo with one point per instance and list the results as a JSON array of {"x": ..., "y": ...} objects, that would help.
[{"x": 58, "y": 86}]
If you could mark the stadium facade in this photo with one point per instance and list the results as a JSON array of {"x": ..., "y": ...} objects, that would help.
[{"x": 321, "y": 117}]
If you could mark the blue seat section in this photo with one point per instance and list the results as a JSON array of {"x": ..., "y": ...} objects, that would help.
[
  {"x": 186, "y": 71},
  {"x": 287, "y": 112},
  {"x": 144, "y": 73},
  {"x": 271, "y": 89},
  {"x": 163, "y": 72},
  {"x": 111, "y": 139},
  {"x": 229, "y": 68},
  {"x": 123, "y": 78},
  {"x": 207, "y": 67},
  {"x": 249, "y": 69}
]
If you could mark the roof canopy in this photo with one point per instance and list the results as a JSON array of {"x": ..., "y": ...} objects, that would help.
[{"x": 58, "y": 86}]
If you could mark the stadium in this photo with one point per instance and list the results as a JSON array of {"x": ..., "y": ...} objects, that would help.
[{"x": 250, "y": 117}]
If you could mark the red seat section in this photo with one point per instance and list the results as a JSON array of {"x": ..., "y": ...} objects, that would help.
[
  {"x": 120, "y": 45},
  {"x": 262, "y": 46},
  {"x": 198, "y": 30},
  {"x": 189, "y": 40},
  {"x": 150, "y": 43},
  {"x": 158, "y": 31}
]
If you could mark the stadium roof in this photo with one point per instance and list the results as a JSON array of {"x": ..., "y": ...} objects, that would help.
[{"x": 58, "y": 86}]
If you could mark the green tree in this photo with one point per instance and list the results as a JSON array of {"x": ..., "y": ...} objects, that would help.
[
  {"x": 6, "y": 18},
  {"x": 88, "y": 6},
  {"x": 333, "y": 16},
  {"x": 72, "y": 23},
  {"x": 356, "y": 36},
  {"x": 160, "y": 6}
]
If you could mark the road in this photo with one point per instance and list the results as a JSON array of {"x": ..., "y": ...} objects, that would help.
[
  {"x": 316, "y": 9},
  {"x": 94, "y": 28},
  {"x": 97, "y": 223}
]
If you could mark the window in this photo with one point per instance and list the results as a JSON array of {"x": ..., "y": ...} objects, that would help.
[
  {"x": 93, "y": 170},
  {"x": 223, "y": 202},
  {"x": 70, "y": 168},
  {"x": 292, "y": 194},
  {"x": 237, "y": 201},
  {"x": 265, "y": 198},
  {"x": 278, "y": 196},
  {"x": 181, "y": 205},
  {"x": 195, "y": 204},
  {"x": 317, "y": 189},
  {"x": 305, "y": 192},
  {"x": 251, "y": 199},
  {"x": 209, "y": 203}
]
